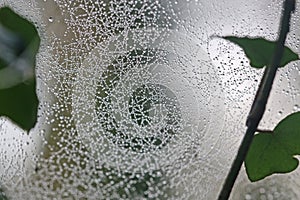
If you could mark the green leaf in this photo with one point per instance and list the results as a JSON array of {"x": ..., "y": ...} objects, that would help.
[
  {"x": 19, "y": 44},
  {"x": 260, "y": 51},
  {"x": 2, "y": 195},
  {"x": 274, "y": 152}
]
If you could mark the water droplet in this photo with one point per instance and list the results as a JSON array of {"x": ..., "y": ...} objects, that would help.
[
  {"x": 262, "y": 190},
  {"x": 50, "y": 19},
  {"x": 248, "y": 197}
]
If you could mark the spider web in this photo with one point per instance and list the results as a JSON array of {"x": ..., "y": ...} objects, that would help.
[{"x": 137, "y": 101}]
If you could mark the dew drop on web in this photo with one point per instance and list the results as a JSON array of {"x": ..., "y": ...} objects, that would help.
[{"x": 138, "y": 101}]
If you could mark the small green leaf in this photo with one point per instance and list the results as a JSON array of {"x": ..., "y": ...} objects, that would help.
[
  {"x": 274, "y": 152},
  {"x": 19, "y": 44},
  {"x": 260, "y": 51}
]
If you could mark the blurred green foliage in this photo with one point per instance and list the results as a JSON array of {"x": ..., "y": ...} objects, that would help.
[
  {"x": 274, "y": 152},
  {"x": 2, "y": 195},
  {"x": 260, "y": 51},
  {"x": 19, "y": 44}
]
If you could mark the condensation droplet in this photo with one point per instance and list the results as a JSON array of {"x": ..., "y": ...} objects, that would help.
[
  {"x": 262, "y": 190},
  {"x": 248, "y": 197},
  {"x": 51, "y": 19}
]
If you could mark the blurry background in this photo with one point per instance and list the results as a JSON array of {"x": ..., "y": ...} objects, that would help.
[{"x": 74, "y": 153}]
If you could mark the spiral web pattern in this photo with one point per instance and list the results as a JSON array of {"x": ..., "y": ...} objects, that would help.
[
  {"x": 146, "y": 104},
  {"x": 137, "y": 101}
]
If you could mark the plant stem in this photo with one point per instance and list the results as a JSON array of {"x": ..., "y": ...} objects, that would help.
[
  {"x": 263, "y": 131},
  {"x": 260, "y": 101}
]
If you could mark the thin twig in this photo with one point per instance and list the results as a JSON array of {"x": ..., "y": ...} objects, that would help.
[
  {"x": 260, "y": 101},
  {"x": 263, "y": 131}
]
